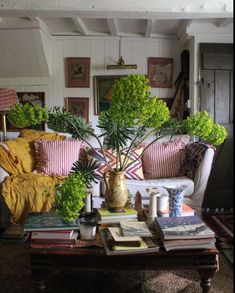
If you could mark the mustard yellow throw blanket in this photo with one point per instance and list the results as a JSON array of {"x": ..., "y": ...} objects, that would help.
[
  {"x": 28, "y": 192},
  {"x": 24, "y": 191}
]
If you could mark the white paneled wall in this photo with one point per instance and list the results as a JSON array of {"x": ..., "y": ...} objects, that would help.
[{"x": 102, "y": 51}]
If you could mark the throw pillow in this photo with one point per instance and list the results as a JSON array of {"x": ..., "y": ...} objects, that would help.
[
  {"x": 134, "y": 171},
  {"x": 163, "y": 160},
  {"x": 194, "y": 153},
  {"x": 56, "y": 157}
]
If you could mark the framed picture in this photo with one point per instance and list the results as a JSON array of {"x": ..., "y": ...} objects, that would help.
[
  {"x": 160, "y": 72},
  {"x": 32, "y": 98},
  {"x": 103, "y": 91},
  {"x": 78, "y": 106},
  {"x": 78, "y": 72}
]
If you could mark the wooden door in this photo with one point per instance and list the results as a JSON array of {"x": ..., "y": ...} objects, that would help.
[{"x": 216, "y": 97}]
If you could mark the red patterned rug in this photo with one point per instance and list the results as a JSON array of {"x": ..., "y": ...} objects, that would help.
[{"x": 221, "y": 222}]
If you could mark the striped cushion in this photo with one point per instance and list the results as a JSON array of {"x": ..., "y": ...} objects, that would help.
[
  {"x": 135, "y": 171},
  {"x": 56, "y": 157},
  {"x": 163, "y": 160}
]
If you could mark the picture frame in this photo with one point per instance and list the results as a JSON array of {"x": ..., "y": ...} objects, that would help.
[
  {"x": 160, "y": 72},
  {"x": 102, "y": 91},
  {"x": 78, "y": 72},
  {"x": 78, "y": 107},
  {"x": 32, "y": 98}
]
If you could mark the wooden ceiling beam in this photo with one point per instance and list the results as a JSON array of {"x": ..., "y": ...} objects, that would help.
[
  {"x": 149, "y": 28},
  {"x": 112, "y": 24},
  {"x": 80, "y": 26}
]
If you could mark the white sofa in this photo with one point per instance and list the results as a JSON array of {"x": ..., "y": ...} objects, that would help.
[{"x": 194, "y": 190}]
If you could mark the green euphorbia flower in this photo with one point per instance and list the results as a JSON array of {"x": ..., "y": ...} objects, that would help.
[
  {"x": 25, "y": 115},
  {"x": 202, "y": 125},
  {"x": 132, "y": 104},
  {"x": 70, "y": 195}
]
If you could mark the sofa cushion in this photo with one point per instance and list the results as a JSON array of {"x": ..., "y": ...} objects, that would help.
[
  {"x": 140, "y": 185},
  {"x": 134, "y": 171},
  {"x": 163, "y": 160},
  {"x": 56, "y": 157}
]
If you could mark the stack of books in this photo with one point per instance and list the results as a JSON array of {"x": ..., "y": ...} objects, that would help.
[
  {"x": 188, "y": 232},
  {"x": 105, "y": 215},
  {"x": 48, "y": 230},
  {"x": 15, "y": 234},
  {"x": 128, "y": 238}
]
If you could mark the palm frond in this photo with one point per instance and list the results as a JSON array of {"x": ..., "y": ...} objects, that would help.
[
  {"x": 86, "y": 168},
  {"x": 65, "y": 122},
  {"x": 114, "y": 135}
]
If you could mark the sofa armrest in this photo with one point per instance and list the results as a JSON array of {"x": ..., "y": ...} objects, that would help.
[
  {"x": 3, "y": 174},
  {"x": 201, "y": 178},
  {"x": 4, "y": 211}
]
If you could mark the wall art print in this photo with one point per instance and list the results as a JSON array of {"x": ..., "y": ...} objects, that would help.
[
  {"x": 78, "y": 72},
  {"x": 160, "y": 71},
  {"x": 103, "y": 91},
  {"x": 78, "y": 107},
  {"x": 32, "y": 98}
]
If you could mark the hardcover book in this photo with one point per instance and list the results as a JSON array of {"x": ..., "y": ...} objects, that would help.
[
  {"x": 182, "y": 228},
  {"x": 118, "y": 237},
  {"x": 205, "y": 243},
  {"x": 135, "y": 229},
  {"x": 55, "y": 234},
  {"x": 14, "y": 231},
  {"x": 106, "y": 214},
  {"x": 116, "y": 220},
  {"x": 186, "y": 211},
  {"x": 71, "y": 240},
  {"x": 48, "y": 221},
  {"x": 147, "y": 245}
]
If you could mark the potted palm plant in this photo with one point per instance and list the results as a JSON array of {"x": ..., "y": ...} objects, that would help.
[{"x": 133, "y": 116}]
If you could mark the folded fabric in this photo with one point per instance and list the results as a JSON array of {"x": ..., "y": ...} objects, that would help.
[
  {"x": 163, "y": 160},
  {"x": 134, "y": 171},
  {"x": 56, "y": 157},
  {"x": 33, "y": 134},
  {"x": 29, "y": 192},
  {"x": 194, "y": 153}
]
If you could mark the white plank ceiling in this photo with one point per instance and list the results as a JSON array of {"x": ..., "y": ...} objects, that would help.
[{"x": 140, "y": 18}]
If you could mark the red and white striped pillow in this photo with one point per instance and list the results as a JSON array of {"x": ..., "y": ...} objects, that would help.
[
  {"x": 56, "y": 158},
  {"x": 163, "y": 160}
]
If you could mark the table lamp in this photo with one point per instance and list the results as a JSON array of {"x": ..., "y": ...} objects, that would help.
[{"x": 8, "y": 98}]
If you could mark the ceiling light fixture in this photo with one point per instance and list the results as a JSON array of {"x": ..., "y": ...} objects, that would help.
[{"x": 121, "y": 64}]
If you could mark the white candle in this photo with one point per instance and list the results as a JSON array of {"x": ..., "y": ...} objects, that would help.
[{"x": 88, "y": 203}]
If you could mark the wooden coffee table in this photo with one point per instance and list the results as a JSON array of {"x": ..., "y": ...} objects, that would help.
[{"x": 44, "y": 261}]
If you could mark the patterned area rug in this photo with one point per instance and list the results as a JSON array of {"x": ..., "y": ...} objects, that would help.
[{"x": 221, "y": 222}]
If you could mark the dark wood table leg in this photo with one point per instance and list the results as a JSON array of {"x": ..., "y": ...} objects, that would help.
[{"x": 206, "y": 279}]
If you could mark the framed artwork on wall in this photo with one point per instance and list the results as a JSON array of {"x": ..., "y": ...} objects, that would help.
[
  {"x": 78, "y": 107},
  {"x": 103, "y": 91},
  {"x": 160, "y": 72},
  {"x": 32, "y": 98},
  {"x": 77, "y": 72}
]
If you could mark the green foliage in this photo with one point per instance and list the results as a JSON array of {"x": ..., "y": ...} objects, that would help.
[
  {"x": 202, "y": 125},
  {"x": 25, "y": 115},
  {"x": 86, "y": 168},
  {"x": 132, "y": 103},
  {"x": 70, "y": 195},
  {"x": 115, "y": 136},
  {"x": 65, "y": 122}
]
